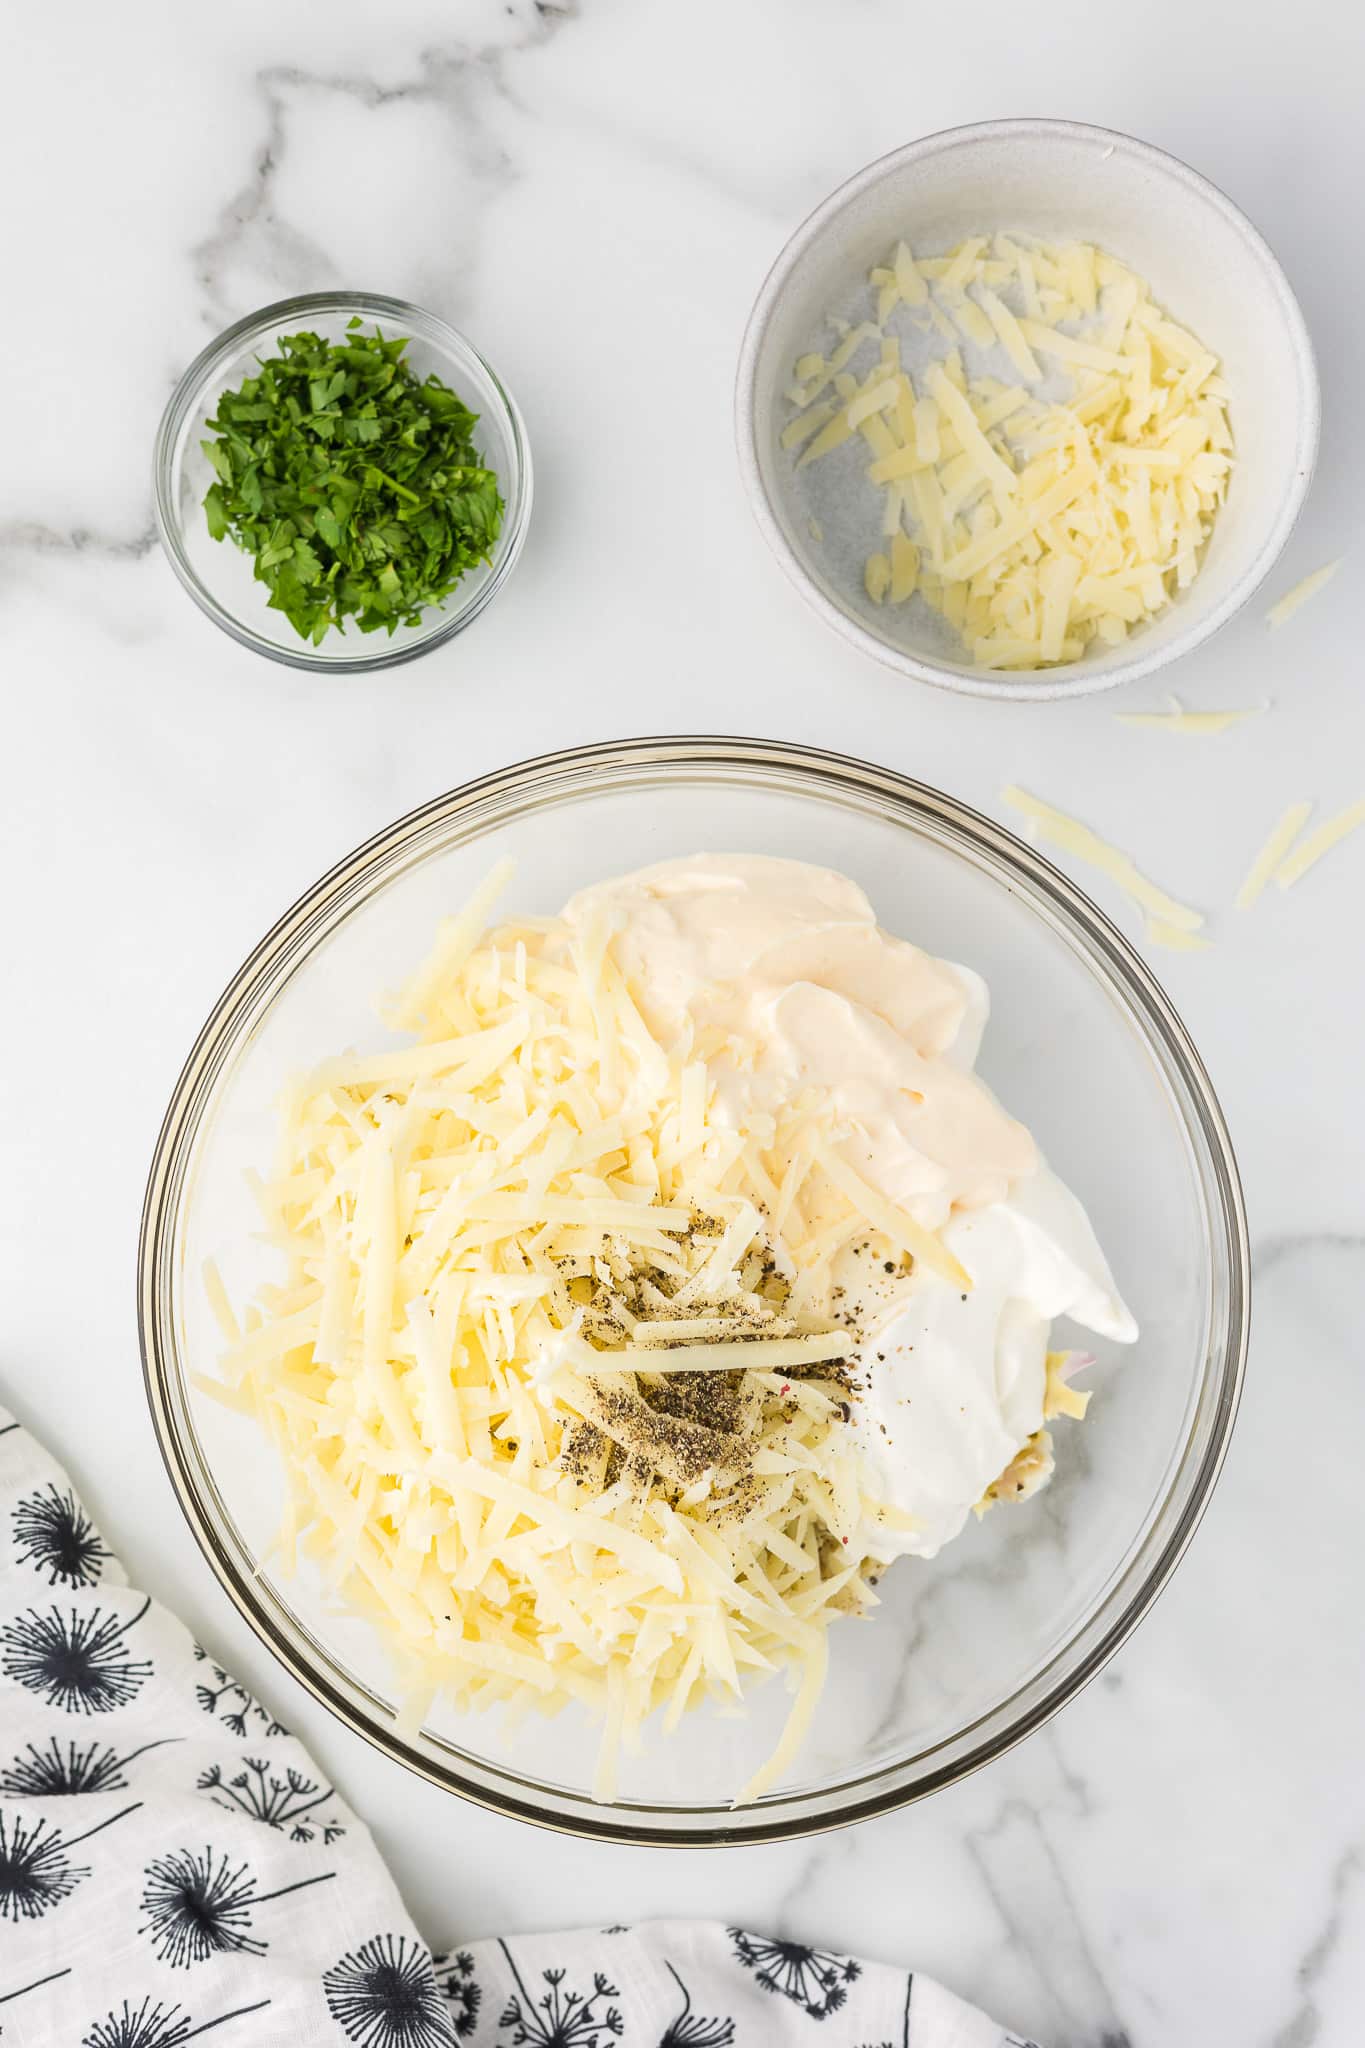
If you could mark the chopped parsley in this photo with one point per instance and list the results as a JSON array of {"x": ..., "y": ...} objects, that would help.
[{"x": 356, "y": 488}]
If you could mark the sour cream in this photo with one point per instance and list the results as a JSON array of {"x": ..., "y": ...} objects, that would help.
[{"x": 778, "y": 974}]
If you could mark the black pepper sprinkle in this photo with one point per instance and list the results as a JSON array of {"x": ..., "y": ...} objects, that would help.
[{"x": 666, "y": 1434}]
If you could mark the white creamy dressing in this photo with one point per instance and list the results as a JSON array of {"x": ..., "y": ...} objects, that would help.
[{"x": 778, "y": 974}]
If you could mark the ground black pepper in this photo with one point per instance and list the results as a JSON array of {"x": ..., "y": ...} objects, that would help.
[{"x": 665, "y": 1431}]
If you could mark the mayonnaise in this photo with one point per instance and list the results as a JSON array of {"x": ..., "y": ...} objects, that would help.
[{"x": 779, "y": 975}]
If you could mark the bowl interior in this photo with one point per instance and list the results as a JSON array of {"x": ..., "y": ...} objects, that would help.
[
  {"x": 964, "y": 1650},
  {"x": 220, "y": 575},
  {"x": 1205, "y": 264}
]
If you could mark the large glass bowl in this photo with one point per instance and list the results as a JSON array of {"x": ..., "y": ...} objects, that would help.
[
  {"x": 220, "y": 577},
  {"x": 966, "y": 1654}
]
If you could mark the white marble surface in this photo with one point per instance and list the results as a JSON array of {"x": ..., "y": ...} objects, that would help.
[{"x": 594, "y": 193}]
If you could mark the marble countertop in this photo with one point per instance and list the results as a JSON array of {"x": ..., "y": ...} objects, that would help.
[{"x": 594, "y": 193}]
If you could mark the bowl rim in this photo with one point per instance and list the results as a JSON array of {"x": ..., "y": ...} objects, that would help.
[
  {"x": 375, "y": 306},
  {"x": 315, "y": 913},
  {"x": 1046, "y": 684}
]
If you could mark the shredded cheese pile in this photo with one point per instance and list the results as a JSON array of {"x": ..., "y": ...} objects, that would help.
[
  {"x": 505, "y": 1239},
  {"x": 1035, "y": 524}
]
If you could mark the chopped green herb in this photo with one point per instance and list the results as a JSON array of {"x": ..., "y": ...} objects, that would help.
[{"x": 356, "y": 487}]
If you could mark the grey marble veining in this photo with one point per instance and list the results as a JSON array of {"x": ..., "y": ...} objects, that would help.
[
  {"x": 595, "y": 192},
  {"x": 1028, "y": 1885}
]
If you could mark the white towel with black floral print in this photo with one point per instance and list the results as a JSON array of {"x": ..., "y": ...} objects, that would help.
[{"x": 171, "y": 1864}]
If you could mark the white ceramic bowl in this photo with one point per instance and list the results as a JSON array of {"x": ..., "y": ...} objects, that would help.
[{"x": 1057, "y": 180}]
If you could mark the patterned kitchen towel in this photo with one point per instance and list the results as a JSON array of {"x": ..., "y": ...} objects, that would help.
[
  {"x": 171, "y": 1864},
  {"x": 690, "y": 1984}
]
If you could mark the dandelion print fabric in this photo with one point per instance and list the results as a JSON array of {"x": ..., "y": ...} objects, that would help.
[
  {"x": 172, "y": 1865},
  {"x": 690, "y": 1984}
]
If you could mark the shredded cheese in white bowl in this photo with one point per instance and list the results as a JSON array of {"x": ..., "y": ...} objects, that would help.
[
  {"x": 1048, "y": 512},
  {"x": 1046, "y": 397},
  {"x": 672, "y": 1276}
]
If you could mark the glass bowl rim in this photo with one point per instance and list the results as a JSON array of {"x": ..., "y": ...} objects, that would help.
[
  {"x": 613, "y": 764},
  {"x": 519, "y": 486}
]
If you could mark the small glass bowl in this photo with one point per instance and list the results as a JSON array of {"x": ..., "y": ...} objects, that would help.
[{"x": 219, "y": 576}]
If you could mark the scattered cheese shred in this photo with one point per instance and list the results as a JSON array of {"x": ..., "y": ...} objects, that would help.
[
  {"x": 1060, "y": 1397},
  {"x": 1293, "y": 600},
  {"x": 1178, "y": 720},
  {"x": 1281, "y": 838},
  {"x": 1311, "y": 850},
  {"x": 1077, "y": 839},
  {"x": 1047, "y": 524},
  {"x": 1174, "y": 937}
]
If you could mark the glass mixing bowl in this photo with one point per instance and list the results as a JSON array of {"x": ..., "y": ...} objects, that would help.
[{"x": 965, "y": 1654}]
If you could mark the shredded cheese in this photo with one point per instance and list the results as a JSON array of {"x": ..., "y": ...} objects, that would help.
[
  {"x": 471, "y": 1454},
  {"x": 1174, "y": 937},
  {"x": 1047, "y": 524},
  {"x": 1178, "y": 720},
  {"x": 1311, "y": 850},
  {"x": 1282, "y": 836},
  {"x": 739, "y": 1354},
  {"x": 1059, "y": 1396},
  {"x": 909, "y": 280},
  {"x": 1012, "y": 337},
  {"x": 888, "y": 1220},
  {"x": 1294, "y": 599},
  {"x": 904, "y": 568},
  {"x": 1077, "y": 839},
  {"x": 877, "y": 577}
]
